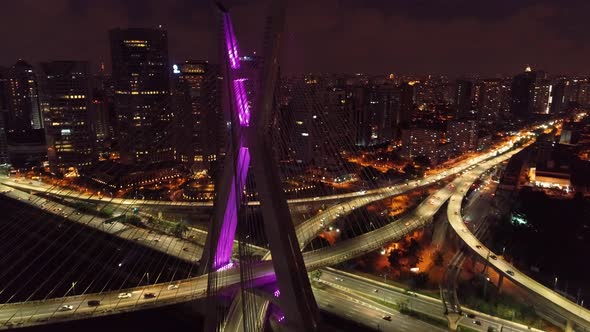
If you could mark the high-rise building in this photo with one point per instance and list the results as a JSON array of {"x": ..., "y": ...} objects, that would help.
[
  {"x": 463, "y": 98},
  {"x": 66, "y": 101},
  {"x": 489, "y": 101},
  {"x": 142, "y": 95},
  {"x": 303, "y": 112},
  {"x": 376, "y": 109},
  {"x": 558, "y": 94},
  {"x": 407, "y": 105},
  {"x": 421, "y": 142},
  {"x": 542, "y": 96},
  {"x": 196, "y": 104},
  {"x": 24, "y": 111},
  {"x": 4, "y": 159},
  {"x": 522, "y": 93},
  {"x": 462, "y": 135}
]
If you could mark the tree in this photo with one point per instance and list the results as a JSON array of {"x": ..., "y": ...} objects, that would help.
[
  {"x": 409, "y": 169},
  {"x": 370, "y": 174},
  {"x": 438, "y": 258},
  {"x": 421, "y": 279},
  {"x": 394, "y": 258},
  {"x": 316, "y": 274},
  {"x": 414, "y": 247},
  {"x": 180, "y": 229},
  {"x": 422, "y": 160},
  {"x": 392, "y": 174}
]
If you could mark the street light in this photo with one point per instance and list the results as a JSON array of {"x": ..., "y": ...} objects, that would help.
[{"x": 555, "y": 283}]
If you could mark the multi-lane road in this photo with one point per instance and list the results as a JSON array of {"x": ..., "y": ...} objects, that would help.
[
  {"x": 347, "y": 283},
  {"x": 42, "y": 311},
  {"x": 39, "y": 312},
  {"x": 567, "y": 309}
]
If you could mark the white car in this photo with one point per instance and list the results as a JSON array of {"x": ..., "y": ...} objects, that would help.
[
  {"x": 66, "y": 307},
  {"x": 124, "y": 295},
  {"x": 174, "y": 286}
]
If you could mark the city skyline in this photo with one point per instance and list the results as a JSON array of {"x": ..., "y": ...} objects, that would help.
[
  {"x": 282, "y": 172},
  {"x": 379, "y": 37}
]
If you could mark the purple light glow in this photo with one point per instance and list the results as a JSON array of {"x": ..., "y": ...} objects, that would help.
[
  {"x": 230, "y": 217},
  {"x": 226, "y": 267},
  {"x": 242, "y": 102},
  {"x": 231, "y": 43},
  {"x": 282, "y": 318},
  {"x": 277, "y": 293}
]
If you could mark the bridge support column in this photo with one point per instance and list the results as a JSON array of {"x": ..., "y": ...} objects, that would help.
[
  {"x": 453, "y": 319},
  {"x": 569, "y": 326},
  {"x": 500, "y": 282}
]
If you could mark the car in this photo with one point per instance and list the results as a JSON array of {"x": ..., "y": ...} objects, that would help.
[
  {"x": 494, "y": 257},
  {"x": 476, "y": 322},
  {"x": 93, "y": 303},
  {"x": 510, "y": 272},
  {"x": 339, "y": 279},
  {"x": 478, "y": 246},
  {"x": 66, "y": 307},
  {"x": 173, "y": 286},
  {"x": 124, "y": 295},
  {"x": 470, "y": 315},
  {"x": 407, "y": 224},
  {"x": 388, "y": 318},
  {"x": 376, "y": 290},
  {"x": 149, "y": 295}
]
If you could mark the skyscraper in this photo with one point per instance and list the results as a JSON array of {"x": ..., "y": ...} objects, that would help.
[
  {"x": 196, "y": 104},
  {"x": 377, "y": 108},
  {"x": 24, "y": 112},
  {"x": 542, "y": 96},
  {"x": 463, "y": 98},
  {"x": 522, "y": 93},
  {"x": 407, "y": 104},
  {"x": 141, "y": 86},
  {"x": 66, "y": 102}
]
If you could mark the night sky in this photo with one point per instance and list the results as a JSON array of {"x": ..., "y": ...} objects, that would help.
[{"x": 371, "y": 36}]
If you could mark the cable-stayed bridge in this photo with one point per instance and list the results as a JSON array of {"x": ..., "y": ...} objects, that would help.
[{"x": 252, "y": 265}]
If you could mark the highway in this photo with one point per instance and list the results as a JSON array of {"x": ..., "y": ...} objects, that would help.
[
  {"x": 343, "y": 282},
  {"x": 40, "y": 312},
  {"x": 567, "y": 308}
]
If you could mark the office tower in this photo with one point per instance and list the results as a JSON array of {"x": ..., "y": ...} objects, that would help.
[
  {"x": 489, "y": 101},
  {"x": 24, "y": 111},
  {"x": 102, "y": 109},
  {"x": 463, "y": 98},
  {"x": 198, "y": 118},
  {"x": 141, "y": 88},
  {"x": 462, "y": 135},
  {"x": 66, "y": 101},
  {"x": 522, "y": 93},
  {"x": 99, "y": 115}
]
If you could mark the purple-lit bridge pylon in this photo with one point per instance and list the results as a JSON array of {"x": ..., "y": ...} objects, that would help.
[{"x": 250, "y": 148}]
